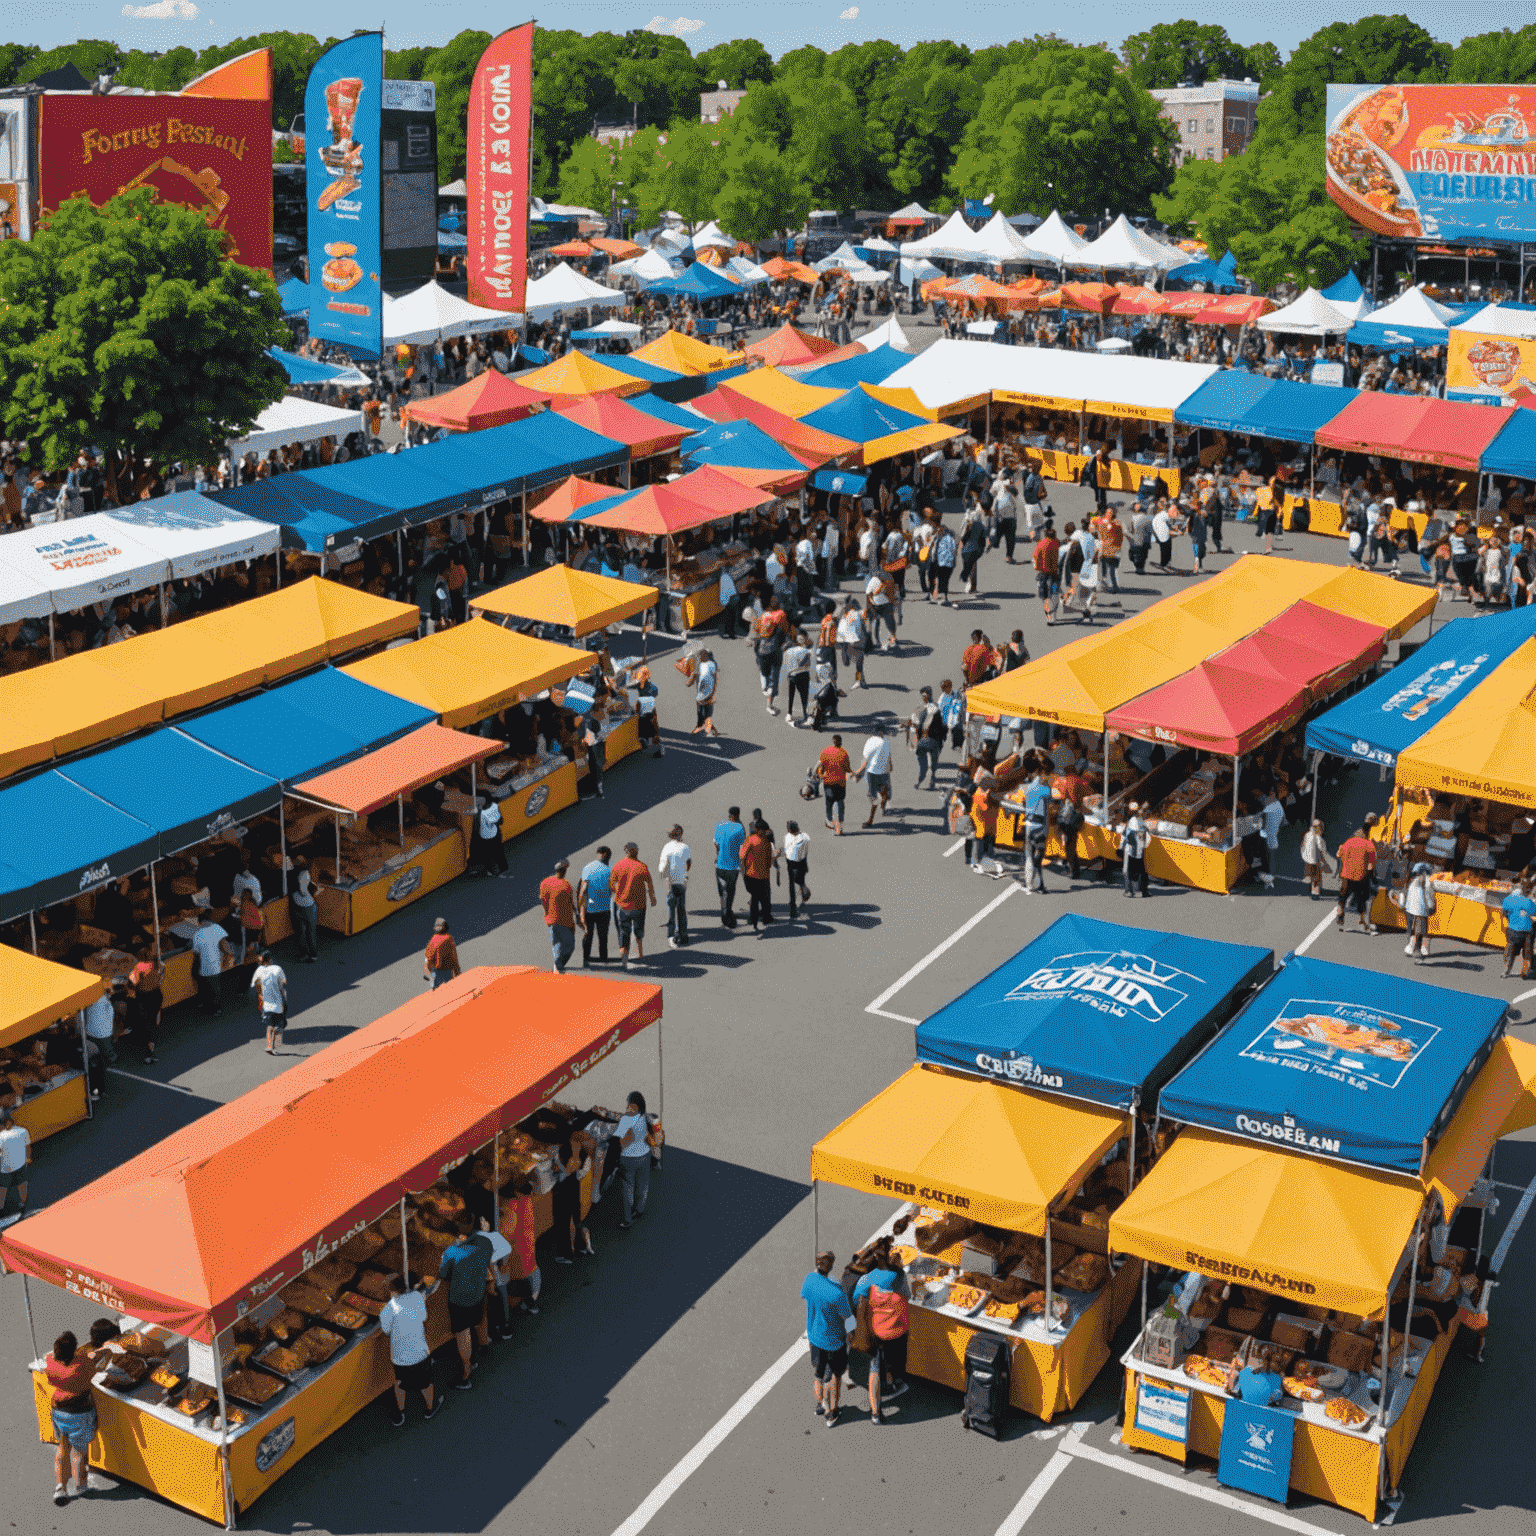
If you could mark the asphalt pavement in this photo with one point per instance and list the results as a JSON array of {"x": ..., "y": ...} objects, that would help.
[{"x": 662, "y": 1388}]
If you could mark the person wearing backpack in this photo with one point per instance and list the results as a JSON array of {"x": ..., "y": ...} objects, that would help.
[
  {"x": 768, "y": 635},
  {"x": 926, "y": 731},
  {"x": 1069, "y": 821},
  {"x": 1034, "y": 503},
  {"x": 885, "y": 1288}
]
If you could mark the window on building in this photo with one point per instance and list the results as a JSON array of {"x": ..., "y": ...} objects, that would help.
[
  {"x": 1210, "y": 151},
  {"x": 1194, "y": 125},
  {"x": 1210, "y": 125}
]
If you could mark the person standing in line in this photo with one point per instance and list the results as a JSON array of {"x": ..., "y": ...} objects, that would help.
[
  {"x": 633, "y": 1134},
  {"x": 403, "y": 1321},
  {"x": 832, "y": 769},
  {"x": 1134, "y": 851},
  {"x": 1037, "y": 806},
  {"x": 831, "y": 544},
  {"x": 270, "y": 984},
  {"x": 984, "y": 823},
  {"x": 1419, "y": 907},
  {"x": 673, "y": 866},
  {"x": 1212, "y": 518},
  {"x": 15, "y": 1159},
  {"x": 1519, "y": 911},
  {"x": 487, "y": 851},
  {"x": 306, "y": 916},
  {"x": 559, "y": 903},
  {"x": 797, "y": 668},
  {"x": 72, "y": 1413},
  {"x": 1102, "y": 477},
  {"x": 875, "y": 764},
  {"x": 887, "y": 1291},
  {"x": 146, "y": 1005},
  {"x": 1005, "y": 520},
  {"x": 1047, "y": 558},
  {"x": 704, "y": 687},
  {"x": 465, "y": 1266},
  {"x": 926, "y": 731},
  {"x": 440, "y": 963},
  {"x": 519, "y": 1228},
  {"x": 797, "y": 853},
  {"x": 757, "y": 861},
  {"x": 828, "y": 1317},
  {"x": 210, "y": 944},
  {"x": 957, "y": 813},
  {"x": 646, "y": 697},
  {"x": 632, "y": 886},
  {"x": 1315, "y": 857},
  {"x": 571, "y": 1236},
  {"x": 594, "y": 903},
  {"x": 729, "y": 836},
  {"x": 1271, "y": 819},
  {"x": 852, "y": 639},
  {"x": 730, "y": 605},
  {"x": 1357, "y": 864}
]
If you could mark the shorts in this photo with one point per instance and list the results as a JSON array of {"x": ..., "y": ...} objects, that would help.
[
  {"x": 462, "y": 1319},
  {"x": 416, "y": 1377},
  {"x": 77, "y": 1429},
  {"x": 277, "y": 1022},
  {"x": 629, "y": 922},
  {"x": 703, "y": 711},
  {"x": 889, "y": 1357},
  {"x": 828, "y": 1364},
  {"x": 1048, "y": 587},
  {"x": 878, "y": 782}
]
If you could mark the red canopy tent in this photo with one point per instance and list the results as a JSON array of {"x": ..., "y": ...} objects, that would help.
[
  {"x": 812, "y": 447},
  {"x": 1452, "y": 433},
  {"x": 491, "y": 400},
  {"x": 572, "y": 248},
  {"x": 1234, "y": 309},
  {"x": 609, "y": 416},
  {"x": 702, "y": 496},
  {"x": 1187, "y": 306},
  {"x": 1139, "y": 301},
  {"x": 569, "y": 497},
  {"x": 1095, "y": 298},
  {"x": 790, "y": 345}
]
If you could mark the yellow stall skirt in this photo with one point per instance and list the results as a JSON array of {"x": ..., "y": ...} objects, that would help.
[
  {"x": 1196, "y": 865},
  {"x": 701, "y": 606},
  {"x": 179, "y": 983},
  {"x": 622, "y": 740},
  {"x": 1054, "y": 464},
  {"x": 1455, "y": 916},
  {"x": 52, "y": 1111},
  {"x": 538, "y": 801},
  {"x": 350, "y": 911}
]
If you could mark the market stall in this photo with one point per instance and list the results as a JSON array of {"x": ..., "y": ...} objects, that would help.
[
  {"x": 1336, "y": 1259},
  {"x": 578, "y": 602},
  {"x": 250, "y": 1324},
  {"x": 42, "y": 1042},
  {"x": 1018, "y": 1133}
]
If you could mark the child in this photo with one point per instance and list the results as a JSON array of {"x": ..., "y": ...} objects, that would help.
[{"x": 1315, "y": 857}]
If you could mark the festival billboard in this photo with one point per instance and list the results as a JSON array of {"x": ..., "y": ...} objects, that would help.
[
  {"x": 1498, "y": 370},
  {"x": 343, "y": 103},
  {"x": 210, "y": 154},
  {"x": 1448, "y": 162},
  {"x": 496, "y": 177}
]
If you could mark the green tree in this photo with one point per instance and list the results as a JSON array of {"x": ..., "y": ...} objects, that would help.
[
  {"x": 1172, "y": 53},
  {"x": 595, "y": 171},
  {"x": 1494, "y": 58},
  {"x": 293, "y": 56},
  {"x": 91, "y": 56},
  {"x": 1069, "y": 130},
  {"x": 1264, "y": 64},
  {"x": 159, "y": 71},
  {"x": 690, "y": 170},
  {"x": 860, "y": 65},
  {"x": 917, "y": 115},
  {"x": 808, "y": 61},
  {"x": 452, "y": 69},
  {"x": 761, "y": 194},
  {"x": 14, "y": 58},
  {"x": 660, "y": 77},
  {"x": 827, "y": 146},
  {"x": 741, "y": 63},
  {"x": 125, "y": 327}
]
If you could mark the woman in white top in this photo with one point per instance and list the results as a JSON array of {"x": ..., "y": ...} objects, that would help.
[
  {"x": 1315, "y": 857},
  {"x": 306, "y": 920},
  {"x": 634, "y": 1157},
  {"x": 797, "y": 848},
  {"x": 851, "y": 636},
  {"x": 1419, "y": 907}
]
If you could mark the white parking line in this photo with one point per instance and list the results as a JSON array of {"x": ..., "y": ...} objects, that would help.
[
  {"x": 955, "y": 847},
  {"x": 1045, "y": 1479},
  {"x": 878, "y": 1006},
  {"x": 1523, "y": 997},
  {"x": 153, "y": 1082},
  {"x": 1315, "y": 935}
]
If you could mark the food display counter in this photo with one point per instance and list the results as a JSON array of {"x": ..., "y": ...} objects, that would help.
[
  {"x": 42, "y": 1044},
  {"x": 529, "y": 789},
  {"x": 693, "y": 595}
]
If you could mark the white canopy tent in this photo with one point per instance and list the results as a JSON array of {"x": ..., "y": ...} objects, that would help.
[
  {"x": 1053, "y": 241},
  {"x": 1123, "y": 247},
  {"x": 916, "y": 270},
  {"x": 954, "y": 239},
  {"x": 293, "y": 419},
  {"x": 911, "y": 211},
  {"x": 648, "y": 267},
  {"x": 1412, "y": 308},
  {"x": 1496, "y": 320},
  {"x": 1310, "y": 315},
  {"x": 881, "y": 244},
  {"x": 746, "y": 271},
  {"x": 193, "y": 532},
  {"x": 999, "y": 241},
  {"x": 890, "y": 334},
  {"x": 431, "y": 313},
  {"x": 713, "y": 235},
  {"x": 454, "y": 189},
  {"x": 21, "y": 597},
  {"x": 564, "y": 288},
  {"x": 619, "y": 330}
]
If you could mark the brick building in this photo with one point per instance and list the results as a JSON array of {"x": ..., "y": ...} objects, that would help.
[{"x": 1214, "y": 120}]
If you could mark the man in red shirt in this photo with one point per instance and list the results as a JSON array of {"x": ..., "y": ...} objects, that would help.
[
  {"x": 632, "y": 884},
  {"x": 1357, "y": 860},
  {"x": 1048, "y": 569},
  {"x": 757, "y": 857},
  {"x": 976, "y": 659},
  {"x": 832, "y": 768},
  {"x": 441, "y": 961},
  {"x": 559, "y": 903}
]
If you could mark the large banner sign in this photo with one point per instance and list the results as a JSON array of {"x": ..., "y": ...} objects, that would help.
[
  {"x": 1500, "y": 370},
  {"x": 1456, "y": 162},
  {"x": 496, "y": 178},
  {"x": 213, "y": 155},
  {"x": 344, "y": 189}
]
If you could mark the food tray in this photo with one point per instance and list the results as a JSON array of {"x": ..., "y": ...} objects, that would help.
[
  {"x": 927, "y": 1269},
  {"x": 275, "y": 1370},
  {"x": 341, "y": 1325},
  {"x": 235, "y": 1396},
  {"x": 211, "y": 1406},
  {"x": 318, "y": 1360}
]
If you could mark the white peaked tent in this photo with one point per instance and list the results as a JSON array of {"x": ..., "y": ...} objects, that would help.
[
  {"x": 879, "y": 243},
  {"x": 648, "y": 267},
  {"x": 1053, "y": 241},
  {"x": 713, "y": 235},
  {"x": 1310, "y": 315},
  {"x": 747, "y": 271},
  {"x": 887, "y": 335},
  {"x": 1413, "y": 309},
  {"x": 1498, "y": 320},
  {"x": 843, "y": 256},
  {"x": 564, "y": 288},
  {"x": 954, "y": 239},
  {"x": 1356, "y": 309},
  {"x": 454, "y": 189},
  {"x": 918, "y": 270},
  {"x": 911, "y": 211},
  {"x": 621, "y": 330},
  {"x": 431, "y": 313},
  {"x": 293, "y": 419},
  {"x": 1123, "y": 247},
  {"x": 999, "y": 241}
]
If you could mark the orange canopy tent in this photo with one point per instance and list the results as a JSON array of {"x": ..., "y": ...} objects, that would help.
[
  {"x": 34, "y": 993},
  {"x": 609, "y": 417},
  {"x": 779, "y": 269},
  {"x": 812, "y": 447},
  {"x": 702, "y": 496},
  {"x": 1095, "y": 298},
  {"x": 580, "y": 601},
  {"x": 977, "y": 288},
  {"x": 492, "y": 400},
  {"x": 778, "y": 391},
  {"x": 620, "y": 250},
  {"x": 572, "y": 248},
  {"x": 370, "y": 782},
  {"x": 789, "y": 344},
  {"x": 684, "y": 354},
  {"x": 1187, "y": 306},
  {"x": 1138, "y": 301},
  {"x": 1234, "y": 309},
  {"x": 576, "y": 375},
  {"x": 567, "y": 498},
  {"x": 188, "y": 1235}
]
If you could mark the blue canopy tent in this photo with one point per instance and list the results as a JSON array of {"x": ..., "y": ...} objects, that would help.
[
  {"x": 1382, "y": 721},
  {"x": 1347, "y": 290},
  {"x": 1251, "y": 404},
  {"x": 61, "y": 841},
  {"x": 1094, "y": 1010},
  {"x": 874, "y": 367},
  {"x": 700, "y": 281},
  {"x": 741, "y": 444},
  {"x": 185, "y": 791},
  {"x": 1513, "y": 451},
  {"x": 295, "y": 296},
  {"x": 1340, "y": 1063},
  {"x": 304, "y": 727},
  {"x": 309, "y": 519},
  {"x": 666, "y": 410},
  {"x": 305, "y": 370},
  {"x": 861, "y": 418},
  {"x": 393, "y": 480},
  {"x": 638, "y": 368},
  {"x": 840, "y": 482},
  {"x": 1215, "y": 277},
  {"x": 548, "y": 447}
]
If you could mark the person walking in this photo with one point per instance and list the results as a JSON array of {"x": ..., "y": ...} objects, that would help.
[
  {"x": 632, "y": 889},
  {"x": 875, "y": 765},
  {"x": 559, "y": 903},
  {"x": 797, "y": 853},
  {"x": 1111, "y": 537},
  {"x": 1034, "y": 503},
  {"x": 210, "y": 944},
  {"x": 797, "y": 669},
  {"x": 270, "y": 985},
  {"x": 594, "y": 906},
  {"x": 973, "y": 545},
  {"x": 983, "y": 808},
  {"x": 758, "y": 857},
  {"x": 768, "y": 636},
  {"x": 926, "y": 731},
  {"x": 1357, "y": 864},
  {"x": 306, "y": 916},
  {"x": 1519, "y": 911},
  {"x": 1315, "y": 857},
  {"x": 440, "y": 963},
  {"x": 146, "y": 1003},
  {"x": 633, "y": 1135},
  {"x": 832, "y": 770},
  {"x": 465, "y": 1266},
  {"x": 403, "y": 1321},
  {"x": 1418, "y": 908},
  {"x": 675, "y": 861},
  {"x": 1103, "y": 475},
  {"x": 1005, "y": 518},
  {"x": 705, "y": 685},
  {"x": 853, "y": 640},
  {"x": 1133, "y": 851},
  {"x": 15, "y": 1159},
  {"x": 826, "y": 640},
  {"x": 828, "y": 1318},
  {"x": 1163, "y": 529},
  {"x": 1047, "y": 561},
  {"x": 941, "y": 564},
  {"x": 729, "y": 836},
  {"x": 1198, "y": 531}
]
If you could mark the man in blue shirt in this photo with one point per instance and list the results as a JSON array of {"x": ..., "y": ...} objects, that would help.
[
  {"x": 465, "y": 1267},
  {"x": 1519, "y": 910},
  {"x": 1037, "y": 805},
  {"x": 827, "y": 1315},
  {"x": 729, "y": 836},
  {"x": 1255, "y": 1381},
  {"x": 594, "y": 906}
]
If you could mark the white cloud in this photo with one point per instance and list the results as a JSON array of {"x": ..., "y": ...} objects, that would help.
[
  {"x": 851, "y": 14},
  {"x": 679, "y": 28},
  {"x": 162, "y": 10}
]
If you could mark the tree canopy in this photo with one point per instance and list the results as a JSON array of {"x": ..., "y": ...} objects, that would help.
[{"x": 1189, "y": 52}]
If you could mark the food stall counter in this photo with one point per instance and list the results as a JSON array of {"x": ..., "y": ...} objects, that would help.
[{"x": 41, "y": 1026}]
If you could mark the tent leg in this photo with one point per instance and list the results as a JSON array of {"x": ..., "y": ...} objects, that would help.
[
  {"x": 52, "y": 653},
  {"x": 496, "y": 1182},
  {"x": 1135, "y": 1106},
  {"x": 338, "y": 848},
  {"x": 527, "y": 554},
  {"x": 1105, "y": 806},
  {"x": 162, "y": 605},
  {"x": 32, "y": 922},
  {"x": 1234, "y": 803},
  {"x": 26, "y": 1298},
  {"x": 405, "y": 1247},
  {"x": 282, "y": 846},
  {"x": 85, "y": 1058},
  {"x": 815, "y": 1217},
  {"x": 226, "y": 1478},
  {"x": 154, "y": 901},
  {"x": 400, "y": 805},
  {"x": 322, "y": 562},
  {"x": 1050, "y": 1320},
  {"x": 277, "y": 567}
]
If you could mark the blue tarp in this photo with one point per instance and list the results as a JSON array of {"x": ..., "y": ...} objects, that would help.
[
  {"x": 841, "y": 482},
  {"x": 1346, "y": 291},
  {"x": 741, "y": 444},
  {"x": 1379, "y": 723},
  {"x": 1340, "y": 1063},
  {"x": 295, "y": 296},
  {"x": 1513, "y": 451},
  {"x": 185, "y": 791},
  {"x": 1212, "y": 275},
  {"x": 1094, "y": 1010},
  {"x": 448, "y": 240},
  {"x": 548, "y": 447},
  {"x": 1372, "y": 333},
  {"x": 293, "y": 732},
  {"x": 309, "y": 519},
  {"x": 638, "y": 368},
  {"x": 61, "y": 840},
  {"x": 665, "y": 410},
  {"x": 305, "y": 370},
  {"x": 861, "y": 418},
  {"x": 874, "y": 367},
  {"x": 1250, "y": 403},
  {"x": 700, "y": 281}
]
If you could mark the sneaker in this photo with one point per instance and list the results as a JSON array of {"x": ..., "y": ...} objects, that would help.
[
  {"x": 820, "y": 1410},
  {"x": 398, "y": 1422},
  {"x": 60, "y": 1495},
  {"x": 896, "y": 1391},
  {"x": 560, "y": 1258},
  {"x": 1409, "y": 948},
  {"x": 469, "y": 1386},
  {"x": 435, "y": 1409},
  {"x": 832, "y": 1417},
  {"x": 624, "y": 1226}
]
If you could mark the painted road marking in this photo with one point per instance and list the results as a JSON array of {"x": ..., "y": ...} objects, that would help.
[
  {"x": 1045, "y": 1479},
  {"x": 153, "y": 1082},
  {"x": 878, "y": 1006},
  {"x": 1315, "y": 935},
  {"x": 955, "y": 847}
]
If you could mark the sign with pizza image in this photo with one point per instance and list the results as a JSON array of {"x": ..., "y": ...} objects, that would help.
[{"x": 1501, "y": 369}]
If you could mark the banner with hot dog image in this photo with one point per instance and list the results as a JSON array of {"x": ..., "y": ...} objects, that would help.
[
  {"x": 1493, "y": 368},
  {"x": 342, "y": 105}
]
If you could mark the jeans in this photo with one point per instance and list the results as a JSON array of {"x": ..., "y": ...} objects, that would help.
[
  {"x": 730, "y": 615},
  {"x": 597, "y": 928},
  {"x": 725, "y": 884},
  {"x": 1006, "y": 534},
  {"x": 1164, "y": 553},
  {"x": 799, "y": 688},
  {"x": 1109, "y": 568},
  {"x": 928, "y": 760},
  {"x": 562, "y": 944},
  {"x": 769, "y": 667},
  {"x": 837, "y": 797},
  {"x": 210, "y": 992},
  {"x": 635, "y": 1172},
  {"x": 759, "y": 893},
  {"x": 1135, "y": 873},
  {"x": 306, "y": 927},
  {"x": 942, "y": 574},
  {"x": 630, "y": 923},
  {"x": 1034, "y": 856},
  {"x": 797, "y": 869},
  {"x": 677, "y": 913},
  {"x": 441, "y": 979}
]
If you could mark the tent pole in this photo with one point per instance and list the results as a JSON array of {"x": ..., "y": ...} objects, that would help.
[
  {"x": 282, "y": 846},
  {"x": 277, "y": 566},
  {"x": 496, "y": 1182},
  {"x": 527, "y": 554},
  {"x": 85, "y": 1061},
  {"x": 338, "y": 847},
  {"x": 32, "y": 921},
  {"x": 322, "y": 562},
  {"x": 1049, "y": 1288},
  {"x": 400, "y": 805},
  {"x": 52, "y": 653},
  {"x": 1135, "y": 1105},
  {"x": 1312, "y": 472},
  {"x": 162, "y": 605},
  {"x": 26, "y": 1297},
  {"x": 815, "y": 1219},
  {"x": 154, "y": 901},
  {"x": 405, "y": 1247},
  {"x": 661, "y": 1079},
  {"x": 225, "y": 1477},
  {"x": 1105, "y": 806},
  {"x": 1413, "y": 1291},
  {"x": 1234, "y": 801}
]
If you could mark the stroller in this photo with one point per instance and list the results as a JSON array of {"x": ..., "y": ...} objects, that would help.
[{"x": 824, "y": 700}]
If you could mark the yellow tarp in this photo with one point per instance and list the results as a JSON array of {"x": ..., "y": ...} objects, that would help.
[
  {"x": 1395, "y": 605},
  {"x": 1315, "y": 1232},
  {"x": 999, "y": 1155},
  {"x": 1486, "y": 746},
  {"x": 470, "y": 671},
  {"x": 1072, "y": 403},
  {"x": 576, "y": 375},
  {"x": 35, "y": 992},
  {"x": 903, "y": 400},
  {"x": 907, "y": 441},
  {"x": 1501, "y": 1100},
  {"x": 781, "y": 393},
  {"x": 580, "y": 600},
  {"x": 684, "y": 354}
]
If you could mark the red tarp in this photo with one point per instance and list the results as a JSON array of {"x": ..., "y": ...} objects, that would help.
[
  {"x": 569, "y": 497},
  {"x": 201, "y": 1227},
  {"x": 1186, "y": 306},
  {"x": 491, "y": 400},
  {"x": 790, "y": 345},
  {"x": 1426, "y": 431},
  {"x": 701, "y": 496},
  {"x": 1235, "y": 309},
  {"x": 811, "y": 447},
  {"x": 432, "y": 752},
  {"x": 610, "y": 417}
]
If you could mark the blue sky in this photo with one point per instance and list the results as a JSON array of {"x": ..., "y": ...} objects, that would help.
[{"x": 783, "y": 25}]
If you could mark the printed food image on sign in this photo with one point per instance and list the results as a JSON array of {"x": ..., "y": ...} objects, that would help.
[
  {"x": 1362, "y": 1047},
  {"x": 343, "y": 156},
  {"x": 1117, "y": 981}
]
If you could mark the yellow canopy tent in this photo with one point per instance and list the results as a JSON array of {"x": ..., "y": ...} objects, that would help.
[
  {"x": 684, "y": 354},
  {"x": 1327, "y": 1234},
  {"x": 1395, "y": 605},
  {"x": 903, "y": 400},
  {"x": 580, "y": 600},
  {"x": 781, "y": 393},
  {"x": 577, "y": 375},
  {"x": 470, "y": 671},
  {"x": 1501, "y": 1100},
  {"x": 1000, "y": 1154},
  {"x": 35, "y": 992}
]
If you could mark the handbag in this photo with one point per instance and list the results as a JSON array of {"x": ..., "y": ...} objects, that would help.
[
  {"x": 863, "y": 1340},
  {"x": 896, "y": 566}
]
